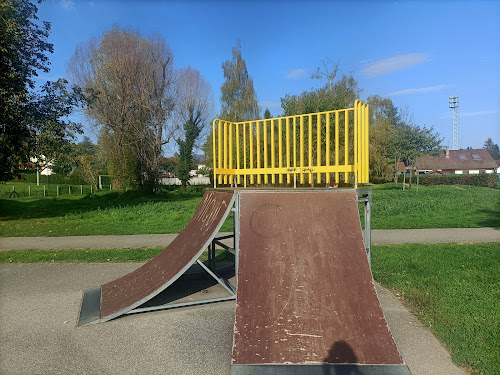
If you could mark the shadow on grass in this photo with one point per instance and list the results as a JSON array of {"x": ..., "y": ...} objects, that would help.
[{"x": 30, "y": 208}]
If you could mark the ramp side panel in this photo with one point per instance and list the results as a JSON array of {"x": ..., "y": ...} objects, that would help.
[
  {"x": 305, "y": 289},
  {"x": 130, "y": 291}
]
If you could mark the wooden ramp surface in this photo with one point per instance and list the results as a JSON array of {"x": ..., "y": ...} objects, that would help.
[
  {"x": 130, "y": 291},
  {"x": 305, "y": 290}
]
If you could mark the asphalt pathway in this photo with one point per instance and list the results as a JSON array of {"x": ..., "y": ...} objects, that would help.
[
  {"x": 39, "y": 306},
  {"x": 379, "y": 237}
]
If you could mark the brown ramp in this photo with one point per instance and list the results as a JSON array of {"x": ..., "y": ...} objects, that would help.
[
  {"x": 130, "y": 291},
  {"x": 306, "y": 301}
]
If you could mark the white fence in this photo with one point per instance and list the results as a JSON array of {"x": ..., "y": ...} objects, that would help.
[{"x": 192, "y": 181}]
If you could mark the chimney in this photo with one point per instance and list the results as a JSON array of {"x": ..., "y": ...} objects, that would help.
[{"x": 447, "y": 152}]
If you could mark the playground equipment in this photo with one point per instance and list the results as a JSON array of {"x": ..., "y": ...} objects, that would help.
[
  {"x": 311, "y": 146},
  {"x": 305, "y": 300}
]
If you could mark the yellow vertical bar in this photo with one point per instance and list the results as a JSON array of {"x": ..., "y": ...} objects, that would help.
[
  {"x": 230, "y": 150},
  {"x": 356, "y": 142},
  {"x": 295, "y": 142},
  {"x": 287, "y": 124},
  {"x": 214, "y": 152},
  {"x": 258, "y": 151},
  {"x": 337, "y": 145},
  {"x": 225, "y": 136},
  {"x": 219, "y": 148},
  {"x": 273, "y": 178},
  {"x": 244, "y": 129},
  {"x": 346, "y": 144},
  {"x": 367, "y": 144},
  {"x": 265, "y": 151},
  {"x": 318, "y": 151},
  {"x": 310, "y": 149},
  {"x": 301, "y": 148},
  {"x": 237, "y": 151},
  {"x": 280, "y": 148},
  {"x": 327, "y": 146},
  {"x": 250, "y": 135}
]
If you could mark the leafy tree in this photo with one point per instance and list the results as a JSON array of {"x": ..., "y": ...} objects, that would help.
[
  {"x": 341, "y": 95},
  {"x": 23, "y": 46},
  {"x": 238, "y": 97},
  {"x": 128, "y": 82},
  {"x": 267, "y": 113},
  {"x": 492, "y": 148},
  {"x": 194, "y": 106}
]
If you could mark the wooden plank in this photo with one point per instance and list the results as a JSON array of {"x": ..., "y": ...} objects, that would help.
[
  {"x": 305, "y": 289},
  {"x": 132, "y": 290}
]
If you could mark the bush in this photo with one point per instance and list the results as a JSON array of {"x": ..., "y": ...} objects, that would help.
[{"x": 481, "y": 180}]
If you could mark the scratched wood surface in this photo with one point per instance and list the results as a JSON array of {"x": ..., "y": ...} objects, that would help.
[
  {"x": 152, "y": 277},
  {"x": 305, "y": 290}
]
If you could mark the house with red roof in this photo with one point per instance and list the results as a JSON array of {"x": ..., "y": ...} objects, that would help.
[{"x": 471, "y": 161}]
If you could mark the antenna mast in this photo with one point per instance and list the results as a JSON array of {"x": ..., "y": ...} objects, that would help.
[{"x": 453, "y": 103}]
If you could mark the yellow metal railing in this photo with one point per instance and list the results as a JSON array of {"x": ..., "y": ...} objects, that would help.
[{"x": 316, "y": 147}]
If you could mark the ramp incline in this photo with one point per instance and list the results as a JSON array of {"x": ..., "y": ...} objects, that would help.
[
  {"x": 306, "y": 301},
  {"x": 130, "y": 291}
]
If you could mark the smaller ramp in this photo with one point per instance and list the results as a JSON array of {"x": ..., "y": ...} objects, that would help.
[
  {"x": 306, "y": 302},
  {"x": 126, "y": 293}
]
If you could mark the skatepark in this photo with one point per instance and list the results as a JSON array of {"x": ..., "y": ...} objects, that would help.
[{"x": 299, "y": 298}]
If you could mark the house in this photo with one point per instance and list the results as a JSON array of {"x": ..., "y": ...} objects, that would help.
[{"x": 457, "y": 162}]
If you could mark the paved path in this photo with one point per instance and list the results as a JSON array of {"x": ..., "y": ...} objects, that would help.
[
  {"x": 379, "y": 236},
  {"x": 39, "y": 305}
]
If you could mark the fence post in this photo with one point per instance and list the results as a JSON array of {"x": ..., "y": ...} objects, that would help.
[
  {"x": 90, "y": 189},
  {"x": 109, "y": 187},
  {"x": 29, "y": 190},
  {"x": 69, "y": 189},
  {"x": 81, "y": 189},
  {"x": 57, "y": 194},
  {"x": 44, "y": 190}
]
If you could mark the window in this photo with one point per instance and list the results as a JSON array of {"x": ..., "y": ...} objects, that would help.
[
  {"x": 462, "y": 157},
  {"x": 476, "y": 157}
]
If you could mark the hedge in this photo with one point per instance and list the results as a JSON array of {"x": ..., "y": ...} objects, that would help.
[{"x": 482, "y": 180}]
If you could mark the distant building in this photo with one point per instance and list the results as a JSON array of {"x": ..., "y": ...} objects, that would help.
[{"x": 457, "y": 162}]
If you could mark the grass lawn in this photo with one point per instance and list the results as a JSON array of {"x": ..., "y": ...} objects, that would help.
[
  {"x": 454, "y": 290},
  {"x": 134, "y": 212}
]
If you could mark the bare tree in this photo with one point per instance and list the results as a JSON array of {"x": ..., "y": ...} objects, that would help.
[
  {"x": 128, "y": 83},
  {"x": 194, "y": 109}
]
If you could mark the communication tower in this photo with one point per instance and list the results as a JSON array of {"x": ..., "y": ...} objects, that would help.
[{"x": 453, "y": 102}]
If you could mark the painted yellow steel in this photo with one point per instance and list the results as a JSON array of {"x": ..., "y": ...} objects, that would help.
[{"x": 262, "y": 151}]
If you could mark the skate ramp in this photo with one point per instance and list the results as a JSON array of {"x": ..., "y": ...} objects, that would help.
[
  {"x": 306, "y": 301},
  {"x": 130, "y": 291}
]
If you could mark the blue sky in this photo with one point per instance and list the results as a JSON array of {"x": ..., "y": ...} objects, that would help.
[{"x": 417, "y": 53}]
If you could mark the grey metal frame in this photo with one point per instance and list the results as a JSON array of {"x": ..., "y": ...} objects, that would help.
[{"x": 365, "y": 196}]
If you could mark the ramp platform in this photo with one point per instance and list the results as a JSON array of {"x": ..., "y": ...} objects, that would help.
[
  {"x": 127, "y": 293},
  {"x": 306, "y": 301}
]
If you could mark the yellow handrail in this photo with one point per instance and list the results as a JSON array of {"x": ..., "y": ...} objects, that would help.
[{"x": 243, "y": 150}]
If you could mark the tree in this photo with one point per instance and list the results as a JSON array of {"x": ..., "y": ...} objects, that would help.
[
  {"x": 193, "y": 108},
  {"x": 267, "y": 113},
  {"x": 328, "y": 70},
  {"x": 238, "y": 97},
  {"x": 492, "y": 148},
  {"x": 23, "y": 46},
  {"x": 128, "y": 83}
]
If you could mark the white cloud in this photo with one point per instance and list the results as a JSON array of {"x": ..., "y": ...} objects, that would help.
[
  {"x": 67, "y": 4},
  {"x": 394, "y": 63},
  {"x": 269, "y": 104},
  {"x": 471, "y": 114},
  {"x": 419, "y": 90},
  {"x": 480, "y": 113},
  {"x": 296, "y": 73}
]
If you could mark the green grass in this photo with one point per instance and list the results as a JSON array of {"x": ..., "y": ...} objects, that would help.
[
  {"x": 435, "y": 207},
  {"x": 92, "y": 255},
  {"x": 134, "y": 212},
  {"x": 454, "y": 290}
]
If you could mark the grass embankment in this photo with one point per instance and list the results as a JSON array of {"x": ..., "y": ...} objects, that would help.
[
  {"x": 134, "y": 212},
  {"x": 453, "y": 289}
]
